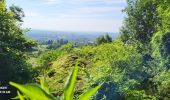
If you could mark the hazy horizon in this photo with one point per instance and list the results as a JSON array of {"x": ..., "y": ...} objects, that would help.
[
  {"x": 68, "y": 35},
  {"x": 72, "y": 31}
]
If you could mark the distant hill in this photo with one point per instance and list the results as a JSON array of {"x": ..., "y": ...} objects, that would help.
[{"x": 81, "y": 37}]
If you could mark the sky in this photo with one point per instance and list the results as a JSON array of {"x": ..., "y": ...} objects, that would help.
[{"x": 72, "y": 15}]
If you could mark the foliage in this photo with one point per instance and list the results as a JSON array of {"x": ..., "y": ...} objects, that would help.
[
  {"x": 156, "y": 22},
  {"x": 34, "y": 91},
  {"x": 138, "y": 95},
  {"x": 104, "y": 39},
  {"x": 160, "y": 41},
  {"x": 54, "y": 44},
  {"x": 162, "y": 80},
  {"x": 68, "y": 91},
  {"x": 132, "y": 67},
  {"x": 140, "y": 23},
  {"x": 114, "y": 62},
  {"x": 13, "y": 48},
  {"x": 18, "y": 12},
  {"x": 46, "y": 58}
]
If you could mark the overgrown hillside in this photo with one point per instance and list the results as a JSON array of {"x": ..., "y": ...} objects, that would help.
[
  {"x": 110, "y": 62},
  {"x": 135, "y": 66}
]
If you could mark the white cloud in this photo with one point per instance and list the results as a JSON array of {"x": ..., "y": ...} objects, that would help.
[
  {"x": 84, "y": 1},
  {"x": 98, "y": 10},
  {"x": 31, "y": 14},
  {"x": 53, "y": 1},
  {"x": 96, "y": 1},
  {"x": 106, "y": 1},
  {"x": 89, "y": 12}
]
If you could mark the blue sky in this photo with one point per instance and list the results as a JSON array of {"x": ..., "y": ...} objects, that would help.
[{"x": 72, "y": 15}]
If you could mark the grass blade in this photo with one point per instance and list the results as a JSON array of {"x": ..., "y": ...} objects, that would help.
[
  {"x": 69, "y": 87},
  {"x": 20, "y": 96},
  {"x": 88, "y": 94},
  {"x": 43, "y": 85}
]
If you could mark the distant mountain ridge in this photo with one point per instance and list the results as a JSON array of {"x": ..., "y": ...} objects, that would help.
[{"x": 44, "y": 35}]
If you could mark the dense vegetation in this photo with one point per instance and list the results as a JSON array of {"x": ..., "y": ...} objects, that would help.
[
  {"x": 42, "y": 92},
  {"x": 135, "y": 66},
  {"x": 13, "y": 47}
]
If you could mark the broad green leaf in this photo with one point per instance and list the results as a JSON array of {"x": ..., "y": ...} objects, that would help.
[
  {"x": 33, "y": 91},
  {"x": 88, "y": 94},
  {"x": 69, "y": 87}
]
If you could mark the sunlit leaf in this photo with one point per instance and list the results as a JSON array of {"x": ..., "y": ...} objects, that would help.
[
  {"x": 69, "y": 87},
  {"x": 33, "y": 91},
  {"x": 20, "y": 96},
  {"x": 17, "y": 97},
  {"x": 88, "y": 94},
  {"x": 43, "y": 85}
]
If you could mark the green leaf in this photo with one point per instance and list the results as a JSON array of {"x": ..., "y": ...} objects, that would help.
[
  {"x": 20, "y": 96},
  {"x": 33, "y": 91},
  {"x": 69, "y": 87},
  {"x": 43, "y": 85},
  {"x": 88, "y": 94},
  {"x": 17, "y": 97}
]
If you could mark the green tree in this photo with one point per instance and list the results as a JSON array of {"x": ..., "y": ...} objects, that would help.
[
  {"x": 100, "y": 40},
  {"x": 160, "y": 41},
  {"x": 140, "y": 23},
  {"x": 108, "y": 38},
  {"x": 13, "y": 48},
  {"x": 18, "y": 12},
  {"x": 103, "y": 39},
  {"x": 147, "y": 27}
]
